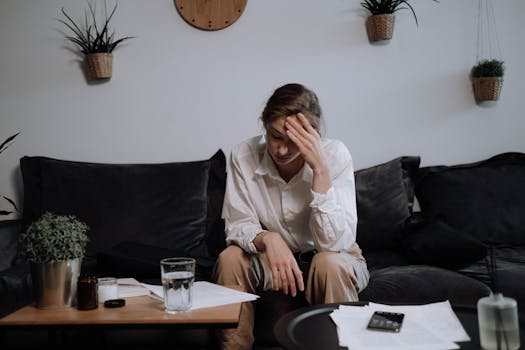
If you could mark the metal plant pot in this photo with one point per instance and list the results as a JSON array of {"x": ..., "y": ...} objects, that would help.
[{"x": 55, "y": 283}]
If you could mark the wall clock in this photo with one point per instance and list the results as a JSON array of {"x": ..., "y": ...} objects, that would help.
[{"x": 210, "y": 14}]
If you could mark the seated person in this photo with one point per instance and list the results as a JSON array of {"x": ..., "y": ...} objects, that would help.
[{"x": 290, "y": 192}]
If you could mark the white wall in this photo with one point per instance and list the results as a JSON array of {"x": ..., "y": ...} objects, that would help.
[{"x": 179, "y": 93}]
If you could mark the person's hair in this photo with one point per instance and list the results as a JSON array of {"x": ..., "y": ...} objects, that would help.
[{"x": 291, "y": 99}]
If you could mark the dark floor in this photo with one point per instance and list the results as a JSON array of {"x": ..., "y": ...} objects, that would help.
[{"x": 113, "y": 339}]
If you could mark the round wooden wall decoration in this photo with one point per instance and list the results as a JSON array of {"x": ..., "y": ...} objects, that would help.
[{"x": 210, "y": 14}]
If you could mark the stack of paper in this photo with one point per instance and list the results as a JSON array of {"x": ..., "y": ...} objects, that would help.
[{"x": 429, "y": 327}]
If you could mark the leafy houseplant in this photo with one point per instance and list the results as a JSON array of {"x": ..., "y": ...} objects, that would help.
[
  {"x": 3, "y": 147},
  {"x": 53, "y": 238},
  {"x": 487, "y": 79},
  {"x": 380, "y": 22},
  {"x": 95, "y": 40},
  {"x": 54, "y": 245}
]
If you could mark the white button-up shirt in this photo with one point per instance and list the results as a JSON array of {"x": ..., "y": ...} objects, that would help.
[{"x": 257, "y": 199}]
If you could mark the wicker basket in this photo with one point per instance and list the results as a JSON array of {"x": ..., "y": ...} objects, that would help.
[
  {"x": 100, "y": 65},
  {"x": 487, "y": 88},
  {"x": 380, "y": 27}
]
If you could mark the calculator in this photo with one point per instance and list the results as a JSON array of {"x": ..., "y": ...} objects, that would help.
[{"x": 386, "y": 321}]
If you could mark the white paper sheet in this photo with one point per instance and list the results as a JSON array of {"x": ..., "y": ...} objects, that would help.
[
  {"x": 429, "y": 327},
  {"x": 130, "y": 287},
  {"x": 206, "y": 294}
]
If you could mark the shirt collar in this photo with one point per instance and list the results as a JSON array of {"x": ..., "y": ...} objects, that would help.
[{"x": 267, "y": 166}]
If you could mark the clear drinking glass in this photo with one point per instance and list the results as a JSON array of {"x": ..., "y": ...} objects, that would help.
[
  {"x": 177, "y": 276},
  {"x": 498, "y": 323}
]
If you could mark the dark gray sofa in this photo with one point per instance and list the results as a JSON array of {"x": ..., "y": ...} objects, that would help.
[{"x": 139, "y": 213}]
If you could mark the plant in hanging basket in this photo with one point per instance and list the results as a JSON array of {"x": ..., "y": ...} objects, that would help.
[
  {"x": 487, "y": 79},
  {"x": 380, "y": 22},
  {"x": 95, "y": 40}
]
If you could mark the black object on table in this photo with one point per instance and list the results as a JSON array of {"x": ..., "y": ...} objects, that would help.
[{"x": 311, "y": 327}]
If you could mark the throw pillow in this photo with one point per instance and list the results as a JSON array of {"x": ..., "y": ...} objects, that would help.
[
  {"x": 484, "y": 199},
  {"x": 385, "y": 196},
  {"x": 164, "y": 205},
  {"x": 436, "y": 243}
]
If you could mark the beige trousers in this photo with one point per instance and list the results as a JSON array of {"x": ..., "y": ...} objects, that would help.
[{"x": 332, "y": 277}]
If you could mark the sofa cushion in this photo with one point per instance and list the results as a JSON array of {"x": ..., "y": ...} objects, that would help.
[
  {"x": 419, "y": 284},
  {"x": 170, "y": 205},
  {"x": 385, "y": 196},
  {"x": 436, "y": 243},
  {"x": 484, "y": 199}
]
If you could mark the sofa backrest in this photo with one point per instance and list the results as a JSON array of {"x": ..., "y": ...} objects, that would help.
[
  {"x": 485, "y": 199},
  {"x": 169, "y": 205}
]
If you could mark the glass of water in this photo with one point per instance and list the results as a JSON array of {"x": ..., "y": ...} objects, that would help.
[{"x": 177, "y": 276}]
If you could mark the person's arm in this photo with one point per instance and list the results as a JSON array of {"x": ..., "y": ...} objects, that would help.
[
  {"x": 286, "y": 274},
  {"x": 334, "y": 214},
  {"x": 244, "y": 229},
  {"x": 241, "y": 222},
  {"x": 333, "y": 220}
]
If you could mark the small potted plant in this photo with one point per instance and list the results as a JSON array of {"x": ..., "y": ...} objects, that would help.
[
  {"x": 380, "y": 22},
  {"x": 54, "y": 245},
  {"x": 95, "y": 40},
  {"x": 3, "y": 147},
  {"x": 487, "y": 79}
]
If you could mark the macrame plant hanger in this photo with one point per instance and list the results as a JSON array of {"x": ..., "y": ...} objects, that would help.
[
  {"x": 487, "y": 30},
  {"x": 487, "y": 49}
]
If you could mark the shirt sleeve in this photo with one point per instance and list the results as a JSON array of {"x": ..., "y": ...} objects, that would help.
[
  {"x": 240, "y": 218},
  {"x": 333, "y": 221}
]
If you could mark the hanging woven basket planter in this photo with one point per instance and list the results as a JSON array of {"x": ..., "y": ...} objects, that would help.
[
  {"x": 100, "y": 65},
  {"x": 380, "y": 27},
  {"x": 487, "y": 88}
]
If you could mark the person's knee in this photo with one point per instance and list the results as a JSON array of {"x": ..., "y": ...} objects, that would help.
[
  {"x": 232, "y": 257},
  {"x": 328, "y": 263}
]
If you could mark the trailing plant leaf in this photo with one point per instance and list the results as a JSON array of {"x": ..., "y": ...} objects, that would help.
[
  {"x": 53, "y": 238},
  {"x": 3, "y": 147},
  {"x": 381, "y": 7},
  {"x": 488, "y": 68},
  {"x": 7, "y": 142},
  {"x": 90, "y": 36}
]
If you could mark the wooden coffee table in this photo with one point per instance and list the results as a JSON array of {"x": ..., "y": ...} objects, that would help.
[{"x": 141, "y": 311}]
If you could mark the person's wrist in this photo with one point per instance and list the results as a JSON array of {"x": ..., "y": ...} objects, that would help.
[{"x": 258, "y": 241}]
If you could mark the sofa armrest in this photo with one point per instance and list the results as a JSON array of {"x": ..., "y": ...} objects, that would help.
[
  {"x": 9, "y": 231},
  {"x": 16, "y": 288}
]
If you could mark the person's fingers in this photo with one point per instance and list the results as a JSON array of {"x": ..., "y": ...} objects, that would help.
[
  {"x": 276, "y": 278},
  {"x": 298, "y": 277},
  {"x": 285, "y": 283},
  {"x": 291, "y": 282},
  {"x": 306, "y": 124}
]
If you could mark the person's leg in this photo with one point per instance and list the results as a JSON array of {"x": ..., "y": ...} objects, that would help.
[
  {"x": 335, "y": 277},
  {"x": 235, "y": 268}
]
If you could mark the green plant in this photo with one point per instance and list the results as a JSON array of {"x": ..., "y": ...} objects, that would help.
[
  {"x": 53, "y": 238},
  {"x": 488, "y": 68},
  {"x": 3, "y": 147},
  {"x": 90, "y": 36},
  {"x": 380, "y": 7}
]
